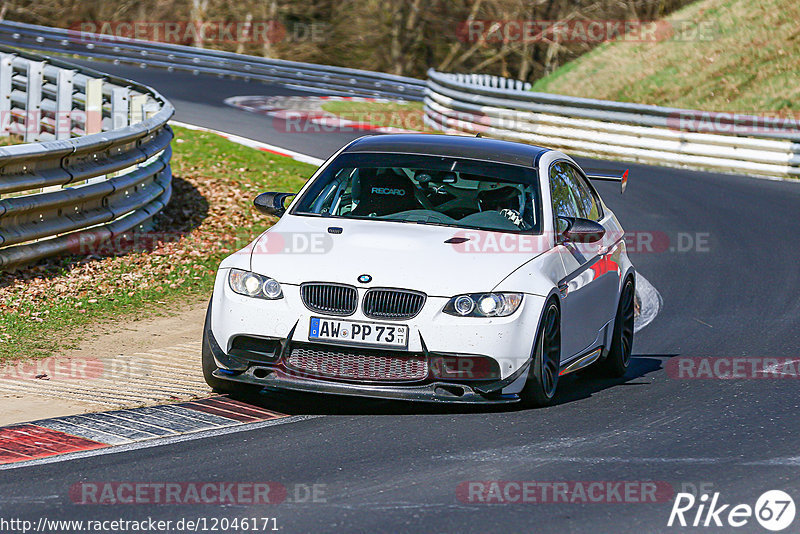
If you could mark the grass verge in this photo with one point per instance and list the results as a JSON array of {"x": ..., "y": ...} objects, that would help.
[
  {"x": 404, "y": 115},
  {"x": 732, "y": 55},
  {"x": 52, "y": 305}
]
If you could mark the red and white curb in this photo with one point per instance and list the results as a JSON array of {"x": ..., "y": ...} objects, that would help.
[
  {"x": 25, "y": 443},
  {"x": 308, "y": 109}
]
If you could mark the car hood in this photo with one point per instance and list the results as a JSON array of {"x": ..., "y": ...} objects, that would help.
[{"x": 302, "y": 249}]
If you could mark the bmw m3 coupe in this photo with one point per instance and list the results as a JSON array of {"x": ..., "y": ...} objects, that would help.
[{"x": 431, "y": 268}]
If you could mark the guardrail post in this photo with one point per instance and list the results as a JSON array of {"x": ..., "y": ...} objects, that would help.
[
  {"x": 6, "y": 72},
  {"x": 94, "y": 106},
  {"x": 120, "y": 98},
  {"x": 119, "y": 107},
  {"x": 64, "y": 89},
  {"x": 33, "y": 104},
  {"x": 138, "y": 103}
]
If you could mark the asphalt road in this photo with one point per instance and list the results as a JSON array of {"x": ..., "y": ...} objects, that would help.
[{"x": 393, "y": 467}]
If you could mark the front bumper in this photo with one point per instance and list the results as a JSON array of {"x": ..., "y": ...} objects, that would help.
[
  {"x": 275, "y": 376},
  {"x": 507, "y": 340},
  {"x": 434, "y": 392}
]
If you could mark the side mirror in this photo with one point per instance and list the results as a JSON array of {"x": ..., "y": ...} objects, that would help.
[
  {"x": 271, "y": 203},
  {"x": 577, "y": 230}
]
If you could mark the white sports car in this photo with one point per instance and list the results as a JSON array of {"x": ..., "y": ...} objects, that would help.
[{"x": 431, "y": 268}]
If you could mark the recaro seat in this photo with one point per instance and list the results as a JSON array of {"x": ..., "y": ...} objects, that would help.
[{"x": 382, "y": 192}]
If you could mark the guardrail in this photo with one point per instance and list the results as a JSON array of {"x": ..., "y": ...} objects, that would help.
[
  {"x": 95, "y": 165},
  {"x": 308, "y": 76},
  {"x": 618, "y": 130}
]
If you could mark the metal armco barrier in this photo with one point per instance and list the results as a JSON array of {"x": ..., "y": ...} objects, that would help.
[
  {"x": 599, "y": 128},
  {"x": 95, "y": 162},
  {"x": 309, "y": 76}
]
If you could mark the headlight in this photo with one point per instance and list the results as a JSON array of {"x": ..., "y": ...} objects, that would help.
[
  {"x": 254, "y": 285},
  {"x": 484, "y": 304}
]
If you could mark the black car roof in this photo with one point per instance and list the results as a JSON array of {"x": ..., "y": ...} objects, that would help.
[{"x": 457, "y": 146}]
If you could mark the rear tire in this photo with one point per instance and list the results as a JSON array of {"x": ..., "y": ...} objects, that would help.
[
  {"x": 540, "y": 387},
  {"x": 618, "y": 359}
]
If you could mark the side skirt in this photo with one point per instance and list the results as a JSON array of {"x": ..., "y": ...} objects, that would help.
[{"x": 581, "y": 362}]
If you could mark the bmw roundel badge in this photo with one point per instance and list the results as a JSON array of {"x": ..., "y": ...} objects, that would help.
[{"x": 365, "y": 279}]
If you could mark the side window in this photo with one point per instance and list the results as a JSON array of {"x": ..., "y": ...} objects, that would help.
[
  {"x": 565, "y": 203},
  {"x": 587, "y": 202}
]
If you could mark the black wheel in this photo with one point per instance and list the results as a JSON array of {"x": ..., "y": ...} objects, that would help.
[
  {"x": 619, "y": 353},
  {"x": 540, "y": 388}
]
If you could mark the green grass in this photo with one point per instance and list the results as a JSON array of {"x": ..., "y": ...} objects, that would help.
[
  {"x": 747, "y": 61},
  {"x": 405, "y": 115},
  {"x": 52, "y": 305},
  {"x": 9, "y": 140}
]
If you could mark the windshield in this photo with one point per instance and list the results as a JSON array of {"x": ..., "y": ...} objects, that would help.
[{"x": 426, "y": 190}]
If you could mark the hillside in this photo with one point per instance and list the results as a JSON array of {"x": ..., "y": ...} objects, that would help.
[{"x": 749, "y": 61}]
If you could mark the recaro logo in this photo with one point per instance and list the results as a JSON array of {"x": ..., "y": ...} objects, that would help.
[{"x": 387, "y": 191}]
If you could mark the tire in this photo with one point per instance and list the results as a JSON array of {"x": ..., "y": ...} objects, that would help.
[
  {"x": 619, "y": 353},
  {"x": 540, "y": 387}
]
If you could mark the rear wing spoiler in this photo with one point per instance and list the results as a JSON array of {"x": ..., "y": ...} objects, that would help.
[{"x": 609, "y": 176}]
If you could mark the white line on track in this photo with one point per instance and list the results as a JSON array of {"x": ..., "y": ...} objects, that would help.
[
  {"x": 651, "y": 302},
  {"x": 252, "y": 143}
]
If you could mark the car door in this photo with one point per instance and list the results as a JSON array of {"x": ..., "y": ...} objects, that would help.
[
  {"x": 606, "y": 268},
  {"x": 585, "y": 288}
]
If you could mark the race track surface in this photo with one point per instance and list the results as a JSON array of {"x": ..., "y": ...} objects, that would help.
[{"x": 394, "y": 467}]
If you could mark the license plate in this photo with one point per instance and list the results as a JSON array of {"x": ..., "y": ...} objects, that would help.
[{"x": 358, "y": 333}]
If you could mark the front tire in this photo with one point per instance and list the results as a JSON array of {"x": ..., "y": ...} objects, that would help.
[
  {"x": 540, "y": 387},
  {"x": 619, "y": 354}
]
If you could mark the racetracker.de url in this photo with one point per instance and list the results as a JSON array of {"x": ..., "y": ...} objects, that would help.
[{"x": 196, "y": 524}]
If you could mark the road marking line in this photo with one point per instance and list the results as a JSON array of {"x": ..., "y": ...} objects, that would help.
[
  {"x": 651, "y": 302},
  {"x": 252, "y": 143}
]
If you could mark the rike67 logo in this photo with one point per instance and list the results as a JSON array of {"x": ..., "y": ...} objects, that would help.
[{"x": 774, "y": 510}]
